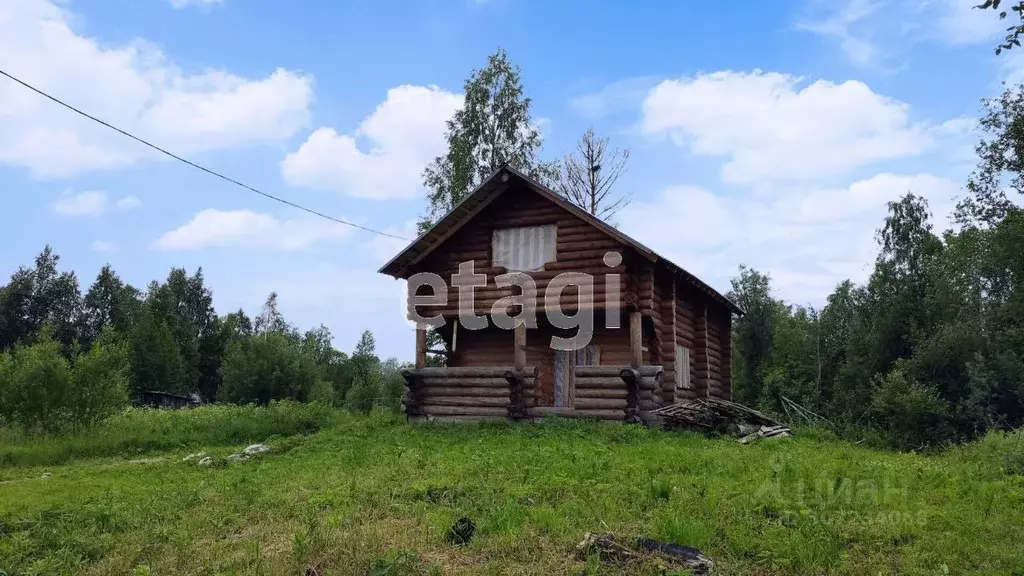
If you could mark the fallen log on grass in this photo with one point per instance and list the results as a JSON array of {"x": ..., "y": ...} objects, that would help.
[{"x": 612, "y": 551}]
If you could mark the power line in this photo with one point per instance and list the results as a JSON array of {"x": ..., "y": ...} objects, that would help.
[{"x": 194, "y": 165}]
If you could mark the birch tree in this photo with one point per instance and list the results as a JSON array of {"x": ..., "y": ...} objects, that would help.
[{"x": 493, "y": 127}]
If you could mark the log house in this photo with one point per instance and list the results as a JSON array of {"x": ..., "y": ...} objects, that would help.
[{"x": 659, "y": 333}]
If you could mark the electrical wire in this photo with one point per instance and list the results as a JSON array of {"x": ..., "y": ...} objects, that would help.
[{"x": 197, "y": 166}]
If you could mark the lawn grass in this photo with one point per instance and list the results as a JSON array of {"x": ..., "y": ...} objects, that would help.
[{"x": 374, "y": 495}]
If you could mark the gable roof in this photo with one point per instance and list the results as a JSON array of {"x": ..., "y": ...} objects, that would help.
[{"x": 490, "y": 189}]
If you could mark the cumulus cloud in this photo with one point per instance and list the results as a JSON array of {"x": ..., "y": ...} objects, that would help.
[
  {"x": 873, "y": 33},
  {"x": 770, "y": 126},
  {"x": 128, "y": 203},
  {"x": 89, "y": 203},
  {"x": 222, "y": 228},
  {"x": 185, "y": 3},
  {"x": 808, "y": 239},
  {"x": 102, "y": 246},
  {"x": 134, "y": 86},
  {"x": 384, "y": 248},
  {"x": 402, "y": 135}
]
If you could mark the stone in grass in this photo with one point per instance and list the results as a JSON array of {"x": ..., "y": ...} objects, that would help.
[
  {"x": 461, "y": 532},
  {"x": 191, "y": 457},
  {"x": 237, "y": 458},
  {"x": 256, "y": 449},
  {"x": 206, "y": 461}
]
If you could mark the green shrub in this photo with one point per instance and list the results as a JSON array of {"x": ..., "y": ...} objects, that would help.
[
  {"x": 99, "y": 382},
  {"x": 35, "y": 386},
  {"x": 911, "y": 415},
  {"x": 267, "y": 366},
  {"x": 322, "y": 392},
  {"x": 365, "y": 392}
]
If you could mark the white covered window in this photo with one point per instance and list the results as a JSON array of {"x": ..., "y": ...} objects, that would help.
[
  {"x": 682, "y": 368},
  {"x": 523, "y": 249}
]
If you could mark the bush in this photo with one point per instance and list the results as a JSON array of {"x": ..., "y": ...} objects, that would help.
[
  {"x": 99, "y": 382},
  {"x": 323, "y": 393},
  {"x": 365, "y": 392},
  {"x": 35, "y": 386},
  {"x": 265, "y": 367},
  {"x": 393, "y": 387},
  {"x": 911, "y": 415}
]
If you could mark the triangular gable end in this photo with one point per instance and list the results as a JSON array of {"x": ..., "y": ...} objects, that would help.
[{"x": 492, "y": 188}]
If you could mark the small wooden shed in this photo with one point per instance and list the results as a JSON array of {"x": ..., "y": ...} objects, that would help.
[{"x": 659, "y": 333}]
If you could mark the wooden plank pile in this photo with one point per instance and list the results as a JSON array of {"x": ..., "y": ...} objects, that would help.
[{"x": 723, "y": 416}]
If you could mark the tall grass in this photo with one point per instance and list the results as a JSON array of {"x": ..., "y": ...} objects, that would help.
[
  {"x": 140, "y": 430},
  {"x": 374, "y": 495}
]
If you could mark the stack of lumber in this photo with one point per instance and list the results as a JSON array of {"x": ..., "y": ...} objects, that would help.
[{"x": 715, "y": 414}]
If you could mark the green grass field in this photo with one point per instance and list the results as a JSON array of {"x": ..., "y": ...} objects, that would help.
[{"x": 341, "y": 494}]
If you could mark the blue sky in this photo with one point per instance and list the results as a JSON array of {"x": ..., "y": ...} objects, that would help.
[{"x": 770, "y": 136}]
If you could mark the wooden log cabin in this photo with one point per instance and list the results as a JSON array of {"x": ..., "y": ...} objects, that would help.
[{"x": 659, "y": 334}]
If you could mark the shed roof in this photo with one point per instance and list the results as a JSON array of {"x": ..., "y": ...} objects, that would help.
[{"x": 490, "y": 189}]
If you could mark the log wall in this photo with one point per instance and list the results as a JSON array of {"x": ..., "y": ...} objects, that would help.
[
  {"x": 580, "y": 247},
  {"x": 470, "y": 392},
  {"x": 494, "y": 347},
  {"x": 672, "y": 311},
  {"x": 719, "y": 353}
]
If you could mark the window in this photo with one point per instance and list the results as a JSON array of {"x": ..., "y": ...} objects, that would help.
[
  {"x": 682, "y": 368},
  {"x": 523, "y": 249}
]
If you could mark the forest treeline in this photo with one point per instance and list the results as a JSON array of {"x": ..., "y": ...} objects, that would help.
[
  {"x": 931, "y": 349},
  {"x": 67, "y": 360}
]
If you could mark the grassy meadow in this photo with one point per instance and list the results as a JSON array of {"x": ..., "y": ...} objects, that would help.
[{"x": 345, "y": 494}]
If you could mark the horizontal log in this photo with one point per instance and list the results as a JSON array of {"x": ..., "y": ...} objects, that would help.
[
  {"x": 430, "y": 391},
  {"x": 564, "y": 265},
  {"x": 478, "y": 401},
  {"x": 435, "y": 409},
  {"x": 458, "y": 381},
  {"x": 600, "y": 403},
  {"x": 600, "y": 382},
  {"x": 601, "y": 392},
  {"x": 467, "y": 372},
  {"x": 588, "y": 245},
  {"x": 457, "y": 418},
  {"x": 614, "y": 370},
  {"x": 581, "y": 235},
  {"x": 540, "y": 412},
  {"x": 538, "y": 220}
]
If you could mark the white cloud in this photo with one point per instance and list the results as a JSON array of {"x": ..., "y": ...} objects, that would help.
[
  {"x": 771, "y": 126},
  {"x": 223, "y": 228},
  {"x": 128, "y": 203},
  {"x": 186, "y": 3},
  {"x": 134, "y": 86},
  {"x": 101, "y": 246},
  {"x": 807, "y": 239},
  {"x": 89, "y": 203},
  {"x": 403, "y": 134},
  {"x": 622, "y": 94},
  {"x": 960, "y": 22},
  {"x": 384, "y": 248},
  {"x": 860, "y": 50},
  {"x": 874, "y": 32}
]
